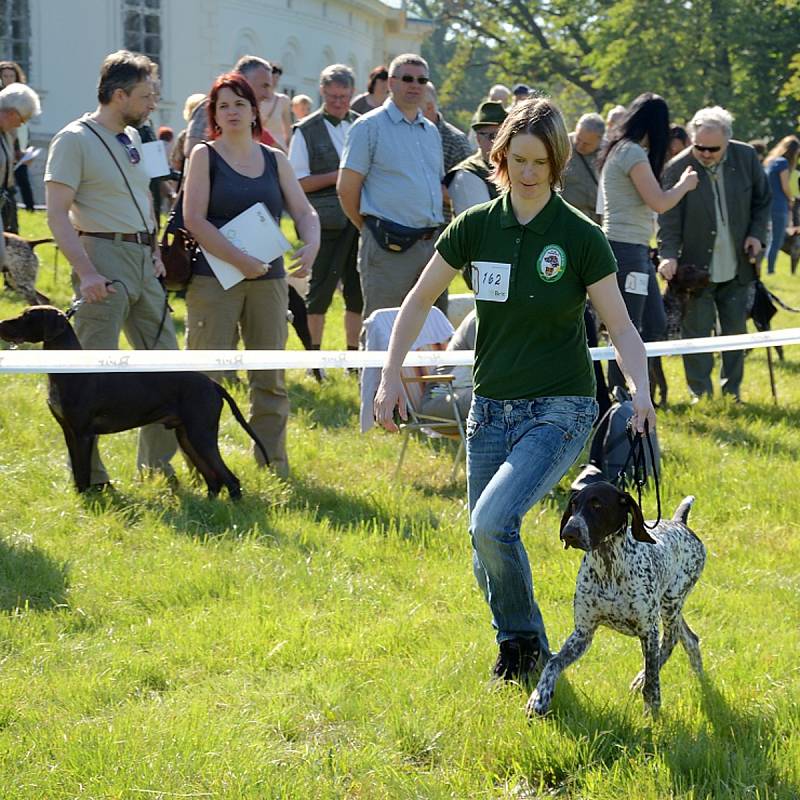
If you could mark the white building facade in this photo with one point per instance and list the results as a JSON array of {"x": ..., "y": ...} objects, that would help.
[{"x": 61, "y": 43}]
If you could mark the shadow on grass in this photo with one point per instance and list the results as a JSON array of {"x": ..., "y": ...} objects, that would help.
[
  {"x": 30, "y": 579},
  {"x": 332, "y": 405},
  {"x": 727, "y": 756},
  {"x": 340, "y": 508}
]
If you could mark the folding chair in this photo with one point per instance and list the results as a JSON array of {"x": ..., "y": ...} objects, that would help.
[
  {"x": 436, "y": 331},
  {"x": 451, "y": 427}
]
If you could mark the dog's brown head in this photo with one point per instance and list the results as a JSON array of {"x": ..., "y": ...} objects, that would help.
[
  {"x": 689, "y": 278},
  {"x": 35, "y": 324},
  {"x": 597, "y": 512}
]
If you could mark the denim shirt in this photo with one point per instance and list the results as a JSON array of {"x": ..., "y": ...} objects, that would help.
[{"x": 402, "y": 165}]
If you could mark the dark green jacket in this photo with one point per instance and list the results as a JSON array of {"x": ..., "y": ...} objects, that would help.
[{"x": 687, "y": 231}]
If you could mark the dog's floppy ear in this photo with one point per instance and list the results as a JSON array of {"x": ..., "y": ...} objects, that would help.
[
  {"x": 54, "y": 323},
  {"x": 638, "y": 530},
  {"x": 567, "y": 513}
]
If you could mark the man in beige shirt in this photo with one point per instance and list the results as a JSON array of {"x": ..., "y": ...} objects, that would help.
[{"x": 100, "y": 212}]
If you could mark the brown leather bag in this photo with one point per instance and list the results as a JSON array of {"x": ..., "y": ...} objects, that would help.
[{"x": 177, "y": 250}]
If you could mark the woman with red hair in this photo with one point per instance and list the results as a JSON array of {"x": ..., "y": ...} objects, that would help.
[{"x": 224, "y": 178}]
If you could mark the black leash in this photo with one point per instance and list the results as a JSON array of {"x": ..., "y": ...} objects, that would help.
[
  {"x": 638, "y": 459},
  {"x": 77, "y": 303}
]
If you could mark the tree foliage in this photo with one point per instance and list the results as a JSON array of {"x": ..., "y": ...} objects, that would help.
[{"x": 735, "y": 53}]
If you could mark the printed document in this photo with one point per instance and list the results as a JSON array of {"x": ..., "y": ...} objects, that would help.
[{"x": 254, "y": 232}]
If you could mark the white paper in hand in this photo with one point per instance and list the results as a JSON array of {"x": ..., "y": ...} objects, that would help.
[
  {"x": 154, "y": 159},
  {"x": 254, "y": 232}
]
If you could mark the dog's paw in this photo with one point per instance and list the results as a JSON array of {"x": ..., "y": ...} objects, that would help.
[
  {"x": 638, "y": 682},
  {"x": 538, "y": 704}
]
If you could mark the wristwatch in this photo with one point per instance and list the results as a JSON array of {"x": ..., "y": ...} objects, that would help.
[{"x": 266, "y": 266}]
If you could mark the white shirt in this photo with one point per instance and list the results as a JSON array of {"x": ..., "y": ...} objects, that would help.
[
  {"x": 298, "y": 150},
  {"x": 467, "y": 190}
]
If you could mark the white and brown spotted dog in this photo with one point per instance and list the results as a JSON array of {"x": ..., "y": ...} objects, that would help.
[
  {"x": 630, "y": 578},
  {"x": 21, "y": 267}
]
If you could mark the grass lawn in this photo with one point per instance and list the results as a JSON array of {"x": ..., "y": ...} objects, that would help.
[{"x": 324, "y": 637}]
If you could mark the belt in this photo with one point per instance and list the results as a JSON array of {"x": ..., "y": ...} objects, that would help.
[{"x": 140, "y": 237}]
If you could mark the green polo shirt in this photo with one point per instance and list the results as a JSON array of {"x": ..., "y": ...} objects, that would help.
[{"x": 534, "y": 343}]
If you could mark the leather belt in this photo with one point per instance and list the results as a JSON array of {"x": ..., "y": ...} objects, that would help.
[{"x": 140, "y": 237}]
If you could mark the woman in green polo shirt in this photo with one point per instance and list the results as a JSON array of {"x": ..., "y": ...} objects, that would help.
[{"x": 533, "y": 259}]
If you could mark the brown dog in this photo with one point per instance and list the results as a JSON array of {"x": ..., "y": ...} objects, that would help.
[
  {"x": 21, "y": 267},
  {"x": 86, "y": 405}
]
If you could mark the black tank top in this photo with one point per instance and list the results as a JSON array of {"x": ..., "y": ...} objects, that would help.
[{"x": 232, "y": 193}]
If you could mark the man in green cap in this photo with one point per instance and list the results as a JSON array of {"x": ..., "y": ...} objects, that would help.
[{"x": 468, "y": 183}]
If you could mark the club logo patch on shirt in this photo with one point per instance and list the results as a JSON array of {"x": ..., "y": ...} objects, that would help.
[{"x": 552, "y": 263}]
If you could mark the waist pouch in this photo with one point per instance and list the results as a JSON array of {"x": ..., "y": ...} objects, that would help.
[{"x": 394, "y": 237}]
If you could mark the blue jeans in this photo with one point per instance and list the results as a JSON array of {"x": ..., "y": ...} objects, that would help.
[
  {"x": 780, "y": 219},
  {"x": 517, "y": 450}
]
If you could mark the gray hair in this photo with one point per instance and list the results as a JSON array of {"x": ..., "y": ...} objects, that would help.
[
  {"x": 592, "y": 123},
  {"x": 712, "y": 117},
  {"x": 499, "y": 93},
  {"x": 407, "y": 58},
  {"x": 22, "y": 99},
  {"x": 614, "y": 112},
  {"x": 431, "y": 95},
  {"x": 338, "y": 73},
  {"x": 248, "y": 64}
]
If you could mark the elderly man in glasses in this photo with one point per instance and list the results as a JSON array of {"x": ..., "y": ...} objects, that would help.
[
  {"x": 100, "y": 212},
  {"x": 18, "y": 103},
  {"x": 581, "y": 178},
  {"x": 390, "y": 187},
  {"x": 722, "y": 227}
]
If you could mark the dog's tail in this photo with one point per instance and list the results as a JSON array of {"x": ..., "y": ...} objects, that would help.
[
  {"x": 242, "y": 421},
  {"x": 682, "y": 511},
  {"x": 30, "y": 242}
]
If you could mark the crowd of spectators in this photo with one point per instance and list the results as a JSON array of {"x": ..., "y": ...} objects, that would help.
[{"x": 382, "y": 172}]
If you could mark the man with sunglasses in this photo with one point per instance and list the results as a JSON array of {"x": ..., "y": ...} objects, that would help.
[
  {"x": 100, "y": 212},
  {"x": 722, "y": 227},
  {"x": 469, "y": 182},
  {"x": 390, "y": 187}
]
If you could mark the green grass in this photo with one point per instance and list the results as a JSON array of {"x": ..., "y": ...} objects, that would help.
[{"x": 324, "y": 637}]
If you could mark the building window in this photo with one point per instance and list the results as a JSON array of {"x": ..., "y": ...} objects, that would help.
[
  {"x": 141, "y": 21},
  {"x": 15, "y": 32}
]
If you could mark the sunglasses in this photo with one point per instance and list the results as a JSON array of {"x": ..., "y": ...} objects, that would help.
[
  {"x": 488, "y": 135},
  {"x": 382, "y": 76},
  {"x": 702, "y": 149},
  {"x": 410, "y": 79},
  {"x": 277, "y": 71},
  {"x": 130, "y": 148}
]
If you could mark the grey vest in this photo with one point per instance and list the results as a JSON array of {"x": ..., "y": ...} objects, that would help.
[{"x": 322, "y": 158}]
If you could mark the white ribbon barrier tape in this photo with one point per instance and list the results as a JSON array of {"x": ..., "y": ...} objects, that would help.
[{"x": 222, "y": 360}]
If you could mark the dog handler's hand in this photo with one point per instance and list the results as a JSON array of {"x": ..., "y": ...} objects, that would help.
[
  {"x": 388, "y": 397},
  {"x": 94, "y": 287},
  {"x": 667, "y": 268},
  {"x": 643, "y": 410}
]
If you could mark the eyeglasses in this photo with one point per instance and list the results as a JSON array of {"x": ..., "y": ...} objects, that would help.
[
  {"x": 422, "y": 80},
  {"x": 277, "y": 71},
  {"x": 488, "y": 135},
  {"x": 130, "y": 148},
  {"x": 700, "y": 148},
  {"x": 382, "y": 76}
]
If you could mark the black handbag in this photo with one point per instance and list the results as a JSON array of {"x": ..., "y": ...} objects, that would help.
[{"x": 394, "y": 237}]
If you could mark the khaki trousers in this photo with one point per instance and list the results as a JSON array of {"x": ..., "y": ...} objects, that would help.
[
  {"x": 258, "y": 308},
  {"x": 136, "y": 307},
  {"x": 386, "y": 278}
]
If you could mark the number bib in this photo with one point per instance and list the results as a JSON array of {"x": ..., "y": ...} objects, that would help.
[{"x": 490, "y": 280}]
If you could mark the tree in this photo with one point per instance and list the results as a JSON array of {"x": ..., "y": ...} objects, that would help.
[{"x": 735, "y": 53}]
